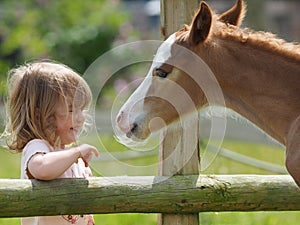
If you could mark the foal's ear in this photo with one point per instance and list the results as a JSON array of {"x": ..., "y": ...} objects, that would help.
[
  {"x": 201, "y": 24},
  {"x": 235, "y": 15}
]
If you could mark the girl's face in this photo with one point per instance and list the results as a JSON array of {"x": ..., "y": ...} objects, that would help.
[{"x": 69, "y": 122}]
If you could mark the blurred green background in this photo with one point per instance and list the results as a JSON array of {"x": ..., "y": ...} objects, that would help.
[{"x": 76, "y": 33}]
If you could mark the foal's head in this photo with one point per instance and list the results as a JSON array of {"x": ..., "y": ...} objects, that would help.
[{"x": 171, "y": 88}]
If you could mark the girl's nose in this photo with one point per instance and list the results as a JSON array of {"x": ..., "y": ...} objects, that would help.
[{"x": 79, "y": 116}]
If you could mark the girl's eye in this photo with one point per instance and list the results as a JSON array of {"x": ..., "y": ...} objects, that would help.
[
  {"x": 160, "y": 73},
  {"x": 76, "y": 111}
]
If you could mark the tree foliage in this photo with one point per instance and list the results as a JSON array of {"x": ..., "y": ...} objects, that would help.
[{"x": 73, "y": 32}]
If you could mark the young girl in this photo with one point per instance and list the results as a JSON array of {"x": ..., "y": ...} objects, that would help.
[{"x": 45, "y": 107}]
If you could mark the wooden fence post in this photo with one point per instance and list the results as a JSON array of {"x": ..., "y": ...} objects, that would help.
[
  {"x": 179, "y": 149},
  {"x": 179, "y": 155},
  {"x": 175, "y": 13}
]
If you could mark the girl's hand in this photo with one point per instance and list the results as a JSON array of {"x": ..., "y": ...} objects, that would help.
[{"x": 86, "y": 153}]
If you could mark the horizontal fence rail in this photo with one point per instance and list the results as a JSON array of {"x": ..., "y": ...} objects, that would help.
[{"x": 149, "y": 194}]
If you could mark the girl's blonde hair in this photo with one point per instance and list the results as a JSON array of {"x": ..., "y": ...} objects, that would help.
[{"x": 34, "y": 89}]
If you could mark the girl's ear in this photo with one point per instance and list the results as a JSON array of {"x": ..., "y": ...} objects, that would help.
[
  {"x": 201, "y": 24},
  {"x": 235, "y": 15}
]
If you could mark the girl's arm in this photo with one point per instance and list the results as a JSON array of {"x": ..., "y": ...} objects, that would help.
[{"x": 53, "y": 164}]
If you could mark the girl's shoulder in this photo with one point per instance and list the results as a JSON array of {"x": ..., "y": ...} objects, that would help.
[
  {"x": 40, "y": 144},
  {"x": 33, "y": 147}
]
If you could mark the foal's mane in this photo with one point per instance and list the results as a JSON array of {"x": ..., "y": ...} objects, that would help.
[
  {"x": 266, "y": 40},
  {"x": 261, "y": 39}
]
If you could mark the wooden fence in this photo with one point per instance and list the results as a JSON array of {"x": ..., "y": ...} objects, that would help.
[{"x": 179, "y": 195}]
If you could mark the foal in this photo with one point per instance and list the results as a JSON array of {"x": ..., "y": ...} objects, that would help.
[{"x": 258, "y": 74}]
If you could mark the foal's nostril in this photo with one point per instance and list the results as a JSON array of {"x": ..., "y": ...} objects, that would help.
[{"x": 133, "y": 127}]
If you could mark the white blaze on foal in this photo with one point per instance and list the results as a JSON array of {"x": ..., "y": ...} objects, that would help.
[{"x": 133, "y": 113}]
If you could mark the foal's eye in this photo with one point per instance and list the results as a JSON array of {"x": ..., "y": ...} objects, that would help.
[{"x": 160, "y": 73}]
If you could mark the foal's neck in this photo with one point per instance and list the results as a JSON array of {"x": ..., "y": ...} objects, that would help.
[{"x": 258, "y": 82}]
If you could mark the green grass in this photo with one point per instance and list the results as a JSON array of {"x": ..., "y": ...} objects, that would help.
[
  {"x": 263, "y": 152},
  {"x": 10, "y": 166},
  {"x": 250, "y": 218}
]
